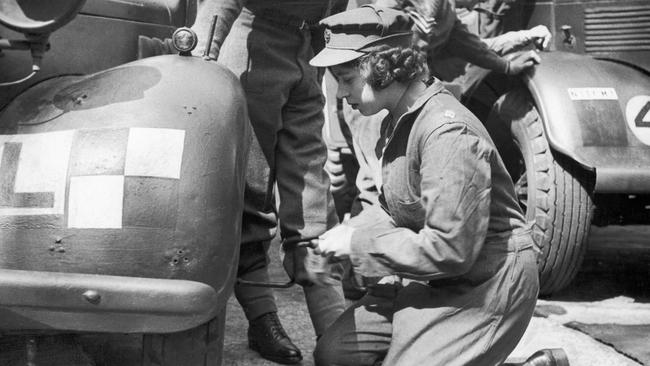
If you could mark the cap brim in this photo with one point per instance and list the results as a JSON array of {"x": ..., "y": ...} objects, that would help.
[
  {"x": 332, "y": 56},
  {"x": 336, "y": 56}
]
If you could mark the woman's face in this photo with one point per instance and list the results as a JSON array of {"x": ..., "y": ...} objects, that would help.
[{"x": 356, "y": 91}]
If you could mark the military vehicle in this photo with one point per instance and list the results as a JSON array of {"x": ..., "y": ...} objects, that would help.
[
  {"x": 575, "y": 132},
  {"x": 121, "y": 181}
]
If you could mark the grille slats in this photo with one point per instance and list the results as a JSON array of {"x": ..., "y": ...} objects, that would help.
[
  {"x": 619, "y": 43},
  {"x": 628, "y": 30},
  {"x": 618, "y": 37},
  {"x": 622, "y": 26},
  {"x": 617, "y": 29},
  {"x": 616, "y": 14},
  {"x": 638, "y": 20},
  {"x": 594, "y": 49}
]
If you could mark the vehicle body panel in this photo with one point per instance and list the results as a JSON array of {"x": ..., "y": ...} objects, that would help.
[
  {"x": 98, "y": 303},
  {"x": 173, "y": 13},
  {"x": 104, "y": 34},
  {"x": 598, "y": 46},
  {"x": 141, "y": 170},
  {"x": 616, "y": 29},
  {"x": 595, "y": 112}
]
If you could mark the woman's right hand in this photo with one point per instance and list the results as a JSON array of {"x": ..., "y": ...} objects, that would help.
[{"x": 335, "y": 243}]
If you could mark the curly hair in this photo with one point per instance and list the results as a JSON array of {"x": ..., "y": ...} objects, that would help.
[{"x": 385, "y": 65}]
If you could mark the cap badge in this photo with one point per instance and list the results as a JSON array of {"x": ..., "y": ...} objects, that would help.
[
  {"x": 327, "y": 34},
  {"x": 450, "y": 114}
]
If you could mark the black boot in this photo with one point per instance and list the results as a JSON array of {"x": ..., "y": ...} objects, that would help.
[
  {"x": 545, "y": 357},
  {"x": 268, "y": 338}
]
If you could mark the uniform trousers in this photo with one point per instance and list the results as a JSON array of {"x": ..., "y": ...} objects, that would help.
[
  {"x": 475, "y": 320},
  {"x": 285, "y": 105}
]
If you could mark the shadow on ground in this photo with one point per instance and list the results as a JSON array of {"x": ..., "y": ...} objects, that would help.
[
  {"x": 615, "y": 276},
  {"x": 606, "y": 274}
]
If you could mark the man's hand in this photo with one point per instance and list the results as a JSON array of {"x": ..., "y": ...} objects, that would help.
[
  {"x": 540, "y": 35},
  {"x": 335, "y": 243},
  {"x": 522, "y": 62}
]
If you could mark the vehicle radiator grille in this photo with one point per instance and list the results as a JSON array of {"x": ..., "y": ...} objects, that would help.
[{"x": 617, "y": 29}]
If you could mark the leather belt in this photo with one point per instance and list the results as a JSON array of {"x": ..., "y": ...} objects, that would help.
[{"x": 284, "y": 19}]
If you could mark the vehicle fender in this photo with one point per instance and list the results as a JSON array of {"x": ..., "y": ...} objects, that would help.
[
  {"x": 596, "y": 112},
  {"x": 138, "y": 171}
]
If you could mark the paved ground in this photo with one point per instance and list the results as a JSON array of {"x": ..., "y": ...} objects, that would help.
[
  {"x": 612, "y": 288},
  {"x": 603, "y": 318}
]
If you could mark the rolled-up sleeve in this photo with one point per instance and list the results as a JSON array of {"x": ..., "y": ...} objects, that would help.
[
  {"x": 508, "y": 42},
  {"x": 226, "y": 11},
  {"x": 455, "y": 193},
  {"x": 468, "y": 46}
]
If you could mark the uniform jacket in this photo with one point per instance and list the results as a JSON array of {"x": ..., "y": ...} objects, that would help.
[
  {"x": 283, "y": 11},
  {"x": 445, "y": 192},
  {"x": 437, "y": 24}
]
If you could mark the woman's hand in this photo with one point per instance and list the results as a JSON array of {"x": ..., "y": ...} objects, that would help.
[
  {"x": 335, "y": 243},
  {"x": 306, "y": 267}
]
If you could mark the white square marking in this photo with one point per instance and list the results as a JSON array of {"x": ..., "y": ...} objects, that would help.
[
  {"x": 42, "y": 167},
  {"x": 96, "y": 202},
  {"x": 154, "y": 152}
]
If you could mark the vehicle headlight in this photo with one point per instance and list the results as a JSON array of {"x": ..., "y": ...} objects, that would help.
[{"x": 184, "y": 40}]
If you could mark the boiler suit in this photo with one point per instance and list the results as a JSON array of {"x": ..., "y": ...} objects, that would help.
[
  {"x": 447, "y": 61},
  {"x": 268, "y": 45},
  {"x": 450, "y": 241}
]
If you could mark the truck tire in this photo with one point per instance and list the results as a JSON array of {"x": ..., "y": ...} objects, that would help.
[
  {"x": 200, "y": 346},
  {"x": 554, "y": 192}
]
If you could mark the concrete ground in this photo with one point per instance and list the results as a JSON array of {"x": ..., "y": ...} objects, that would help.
[{"x": 602, "y": 318}]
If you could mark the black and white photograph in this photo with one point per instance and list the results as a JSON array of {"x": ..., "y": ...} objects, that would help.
[{"x": 325, "y": 182}]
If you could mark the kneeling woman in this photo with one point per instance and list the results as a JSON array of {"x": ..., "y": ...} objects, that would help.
[{"x": 459, "y": 278}]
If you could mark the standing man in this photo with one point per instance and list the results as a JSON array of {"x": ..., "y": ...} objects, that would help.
[{"x": 268, "y": 44}]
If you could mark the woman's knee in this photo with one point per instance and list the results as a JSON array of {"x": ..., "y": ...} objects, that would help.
[
  {"x": 327, "y": 352},
  {"x": 359, "y": 337},
  {"x": 333, "y": 349}
]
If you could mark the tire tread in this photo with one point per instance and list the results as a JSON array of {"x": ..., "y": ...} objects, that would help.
[{"x": 562, "y": 200}]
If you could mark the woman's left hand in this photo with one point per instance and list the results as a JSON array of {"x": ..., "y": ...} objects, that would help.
[{"x": 336, "y": 242}]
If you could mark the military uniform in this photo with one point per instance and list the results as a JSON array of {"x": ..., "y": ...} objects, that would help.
[
  {"x": 445, "y": 37},
  {"x": 449, "y": 244},
  {"x": 449, "y": 220},
  {"x": 491, "y": 16},
  {"x": 448, "y": 57},
  {"x": 268, "y": 45}
]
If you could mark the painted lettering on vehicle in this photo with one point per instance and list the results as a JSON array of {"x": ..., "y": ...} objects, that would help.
[
  {"x": 592, "y": 94},
  {"x": 637, "y": 115},
  {"x": 641, "y": 119}
]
